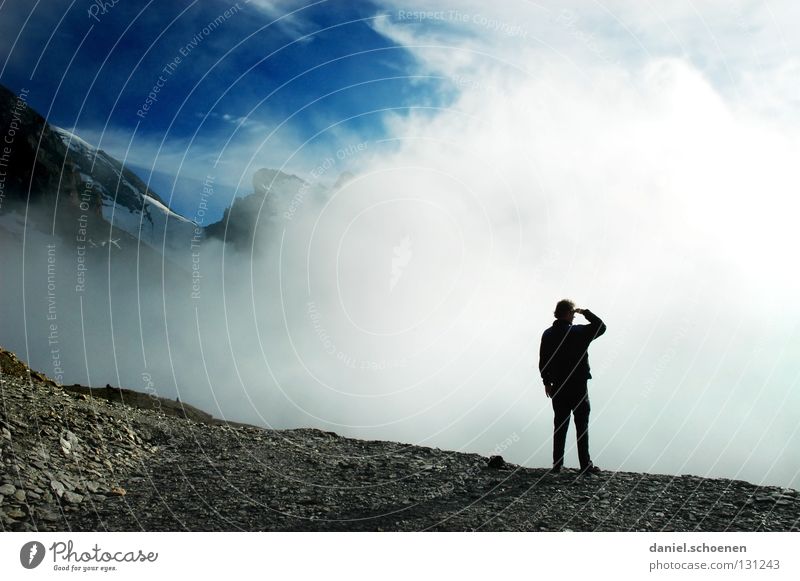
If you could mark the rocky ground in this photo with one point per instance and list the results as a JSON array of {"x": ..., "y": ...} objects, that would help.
[{"x": 74, "y": 461}]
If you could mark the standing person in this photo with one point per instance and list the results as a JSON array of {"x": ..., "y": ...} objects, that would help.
[{"x": 564, "y": 365}]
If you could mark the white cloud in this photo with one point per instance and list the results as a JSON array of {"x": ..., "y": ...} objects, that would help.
[
  {"x": 579, "y": 157},
  {"x": 746, "y": 48},
  {"x": 644, "y": 188},
  {"x": 650, "y": 188}
]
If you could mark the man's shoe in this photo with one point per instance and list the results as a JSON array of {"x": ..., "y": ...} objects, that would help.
[
  {"x": 589, "y": 469},
  {"x": 555, "y": 470}
]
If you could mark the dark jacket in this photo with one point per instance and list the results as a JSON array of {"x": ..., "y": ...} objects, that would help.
[{"x": 563, "y": 354}]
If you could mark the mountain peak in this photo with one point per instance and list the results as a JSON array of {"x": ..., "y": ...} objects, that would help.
[
  {"x": 57, "y": 172},
  {"x": 275, "y": 194},
  {"x": 267, "y": 179}
]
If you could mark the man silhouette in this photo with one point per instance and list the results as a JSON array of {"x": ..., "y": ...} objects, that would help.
[{"x": 564, "y": 365}]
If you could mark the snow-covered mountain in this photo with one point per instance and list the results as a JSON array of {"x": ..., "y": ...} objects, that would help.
[
  {"x": 56, "y": 183},
  {"x": 127, "y": 203}
]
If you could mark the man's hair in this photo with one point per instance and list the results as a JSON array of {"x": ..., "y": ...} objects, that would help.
[{"x": 564, "y": 307}]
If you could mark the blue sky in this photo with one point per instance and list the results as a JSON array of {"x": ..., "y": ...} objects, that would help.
[
  {"x": 257, "y": 84},
  {"x": 94, "y": 73}
]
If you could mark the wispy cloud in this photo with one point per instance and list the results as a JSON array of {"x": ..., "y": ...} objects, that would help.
[
  {"x": 745, "y": 49},
  {"x": 288, "y": 15}
]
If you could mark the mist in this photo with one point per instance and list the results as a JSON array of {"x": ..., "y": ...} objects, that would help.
[{"x": 407, "y": 302}]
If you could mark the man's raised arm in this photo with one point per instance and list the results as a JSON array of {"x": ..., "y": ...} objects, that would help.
[{"x": 596, "y": 326}]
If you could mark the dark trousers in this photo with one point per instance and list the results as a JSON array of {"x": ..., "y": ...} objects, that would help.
[{"x": 571, "y": 399}]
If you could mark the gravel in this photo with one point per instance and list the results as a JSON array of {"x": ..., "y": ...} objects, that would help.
[{"x": 72, "y": 462}]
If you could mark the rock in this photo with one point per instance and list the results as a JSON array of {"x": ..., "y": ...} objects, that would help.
[
  {"x": 72, "y": 497},
  {"x": 7, "y": 489},
  {"x": 19, "y": 495},
  {"x": 496, "y": 462},
  {"x": 57, "y": 487},
  {"x": 15, "y": 513},
  {"x": 66, "y": 481},
  {"x": 118, "y": 491},
  {"x": 47, "y": 515},
  {"x": 69, "y": 442}
]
